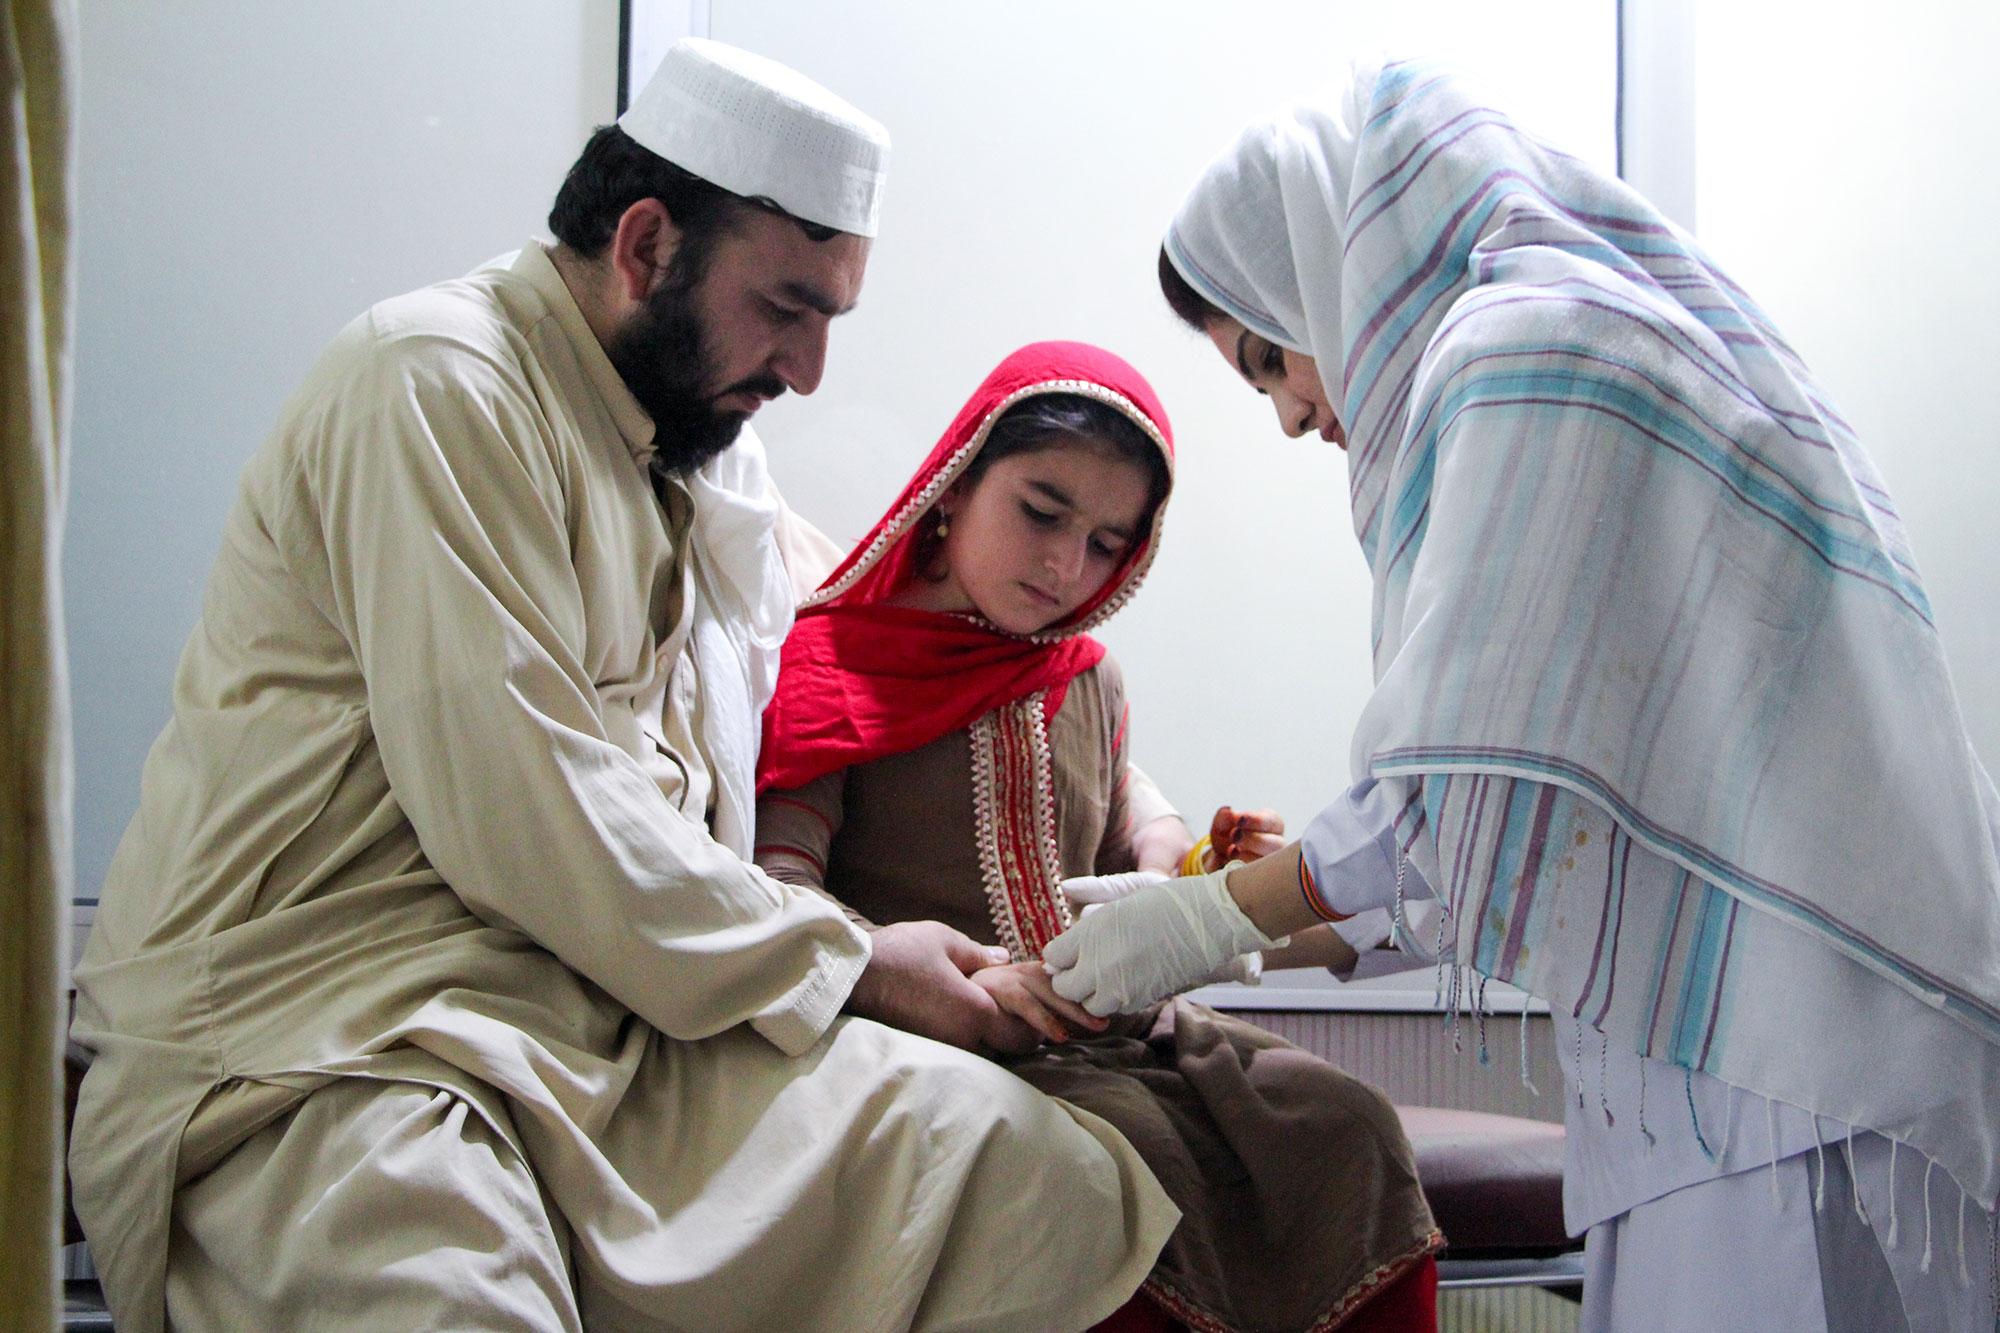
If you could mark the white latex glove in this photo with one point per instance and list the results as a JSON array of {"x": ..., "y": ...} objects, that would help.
[
  {"x": 1152, "y": 943},
  {"x": 1086, "y": 893}
]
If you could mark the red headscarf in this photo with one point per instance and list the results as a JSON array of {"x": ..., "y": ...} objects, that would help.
[{"x": 860, "y": 679}]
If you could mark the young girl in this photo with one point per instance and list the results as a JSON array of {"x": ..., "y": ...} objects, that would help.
[{"x": 948, "y": 743}]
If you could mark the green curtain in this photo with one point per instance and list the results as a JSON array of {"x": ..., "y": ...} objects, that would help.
[{"x": 37, "y": 289}]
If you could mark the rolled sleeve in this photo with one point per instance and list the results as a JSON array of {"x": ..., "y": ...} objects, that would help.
[{"x": 1352, "y": 851}]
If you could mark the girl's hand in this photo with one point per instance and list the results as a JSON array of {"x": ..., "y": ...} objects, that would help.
[
  {"x": 1248, "y": 836},
  {"x": 1023, "y": 991}
]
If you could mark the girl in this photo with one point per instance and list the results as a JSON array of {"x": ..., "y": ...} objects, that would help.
[{"x": 947, "y": 742}]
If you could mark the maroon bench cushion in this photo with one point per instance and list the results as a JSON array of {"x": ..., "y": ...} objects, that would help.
[{"x": 1494, "y": 1182}]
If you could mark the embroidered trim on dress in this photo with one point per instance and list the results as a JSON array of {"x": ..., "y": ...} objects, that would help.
[
  {"x": 1014, "y": 826},
  {"x": 1180, "y": 1307}
]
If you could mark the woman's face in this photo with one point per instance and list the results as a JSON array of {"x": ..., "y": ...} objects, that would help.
[
  {"x": 1038, "y": 534},
  {"x": 1291, "y": 380}
]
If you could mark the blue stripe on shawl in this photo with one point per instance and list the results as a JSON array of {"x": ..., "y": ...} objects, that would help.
[
  {"x": 1419, "y": 761},
  {"x": 1700, "y": 975},
  {"x": 1649, "y": 420}
]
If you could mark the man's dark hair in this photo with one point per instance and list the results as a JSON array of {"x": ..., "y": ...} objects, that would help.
[
  {"x": 1194, "y": 309},
  {"x": 615, "y": 172}
]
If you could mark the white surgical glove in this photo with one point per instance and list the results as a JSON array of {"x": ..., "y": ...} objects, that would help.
[
  {"x": 1152, "y": 943},
  {"x": 1086, "y": 893}
]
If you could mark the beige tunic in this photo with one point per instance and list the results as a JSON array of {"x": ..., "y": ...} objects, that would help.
[
  {"x": 1297, "y": 1187},
  {"x": 453, "y": 795}
]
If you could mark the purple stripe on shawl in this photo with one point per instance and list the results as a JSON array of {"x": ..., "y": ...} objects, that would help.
[
  {"x": 1404, "y": 161},
  {"x": 1691, "y": 411},
  {"x": 1572, "y": 404},
  {"x": 1412, "y": 282},
  {"x": 1413, "y": 799},
  {"x": 1434, "y": 260},
  {"x": 1493, "y": 868},
  {"x": 1462, "y": 862},
  {"x": 1715, "y": 997},
  {"x": 1416, "y": 527},
  {"x": 1666, "y": 965},
  {"x": 1626, "y": 814},
  {"x": 1603, "y": 921},
  {"x": 1535, "y": 855},
  {"x": 1617, "y": 926},
  {"x": 1671, "y": 337}
]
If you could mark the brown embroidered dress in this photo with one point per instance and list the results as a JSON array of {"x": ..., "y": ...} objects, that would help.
[{"x": 953, "y": 831}]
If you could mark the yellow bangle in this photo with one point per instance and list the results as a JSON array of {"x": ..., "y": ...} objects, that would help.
[{"x": 1193, "y": 863}]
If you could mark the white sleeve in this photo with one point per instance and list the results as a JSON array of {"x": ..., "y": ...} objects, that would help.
[{"x": 1354, "y": 851}]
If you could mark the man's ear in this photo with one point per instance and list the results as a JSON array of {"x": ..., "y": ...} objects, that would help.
[{"x": 642, "y": 249}]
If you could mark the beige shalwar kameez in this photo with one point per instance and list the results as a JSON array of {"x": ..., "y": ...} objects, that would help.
[{"x": 430, "y": 985}]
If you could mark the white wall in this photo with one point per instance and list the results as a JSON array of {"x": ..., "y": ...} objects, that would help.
[
  {"x": 252, "y": 176},
  {"x": 1848, "y": 175},
  {"x": 1039, "y": 148}
]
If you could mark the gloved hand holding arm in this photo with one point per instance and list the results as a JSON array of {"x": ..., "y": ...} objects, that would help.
[
  {"x": 1087, "y": 893},
  {"x": 1162, "y": 939}
]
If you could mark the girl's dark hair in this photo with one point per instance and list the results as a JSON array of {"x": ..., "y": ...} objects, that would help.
[
  {"x": 1051, "y": 420},
  {"x": 615, "y": 171},
  {"x": 1194, "y": 309}
]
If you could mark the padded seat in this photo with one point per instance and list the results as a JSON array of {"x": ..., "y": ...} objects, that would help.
[{"x": 1494, "y": 1182}]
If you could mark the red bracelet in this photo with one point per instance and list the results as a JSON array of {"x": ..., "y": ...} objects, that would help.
[{"x": 1310, "y": 889}]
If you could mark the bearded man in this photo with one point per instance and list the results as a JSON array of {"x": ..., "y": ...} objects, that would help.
[{"x": 431, "y": 984}]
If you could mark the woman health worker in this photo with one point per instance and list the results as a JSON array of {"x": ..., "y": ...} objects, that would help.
[{"x": 1661, "y": 731}]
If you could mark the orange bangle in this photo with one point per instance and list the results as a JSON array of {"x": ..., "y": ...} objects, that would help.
[
  {"x": 1192, "y": 863},
  {"x": 1310, "y": 888}
]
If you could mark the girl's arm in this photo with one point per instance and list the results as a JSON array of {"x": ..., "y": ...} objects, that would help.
[{"x": 795, "y": 832}]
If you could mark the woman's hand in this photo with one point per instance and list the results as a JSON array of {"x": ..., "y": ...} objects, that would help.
[
  {"x": 1023, "y": 992},
  {"x": 1159, "y": 941},
  {"x": 1246, "y": 836}
]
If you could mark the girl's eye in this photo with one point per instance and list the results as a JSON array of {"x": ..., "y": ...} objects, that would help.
[
  {"x": 1039, "y": 517},
  {"x": 1273, "y": 361},
  {"x": 778, "y": 314},
  {"x": 1108, "y": 552}
]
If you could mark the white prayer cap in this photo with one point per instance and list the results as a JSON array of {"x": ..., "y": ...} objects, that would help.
[{"x": 758, "y": 128}]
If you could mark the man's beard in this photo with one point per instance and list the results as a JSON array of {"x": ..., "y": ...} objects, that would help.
[{"x": 663, "y": 356}]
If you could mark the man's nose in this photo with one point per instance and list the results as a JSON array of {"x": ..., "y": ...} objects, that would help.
[{"x": 802, "y": 360}]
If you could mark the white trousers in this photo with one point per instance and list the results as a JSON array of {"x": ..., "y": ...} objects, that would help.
[{"x": 1752, "y": 1251}]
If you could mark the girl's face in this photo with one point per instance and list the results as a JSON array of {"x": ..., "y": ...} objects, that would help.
[
  {"x": 1038, "y": 534},
  {"x": 1290, "y": 378}
]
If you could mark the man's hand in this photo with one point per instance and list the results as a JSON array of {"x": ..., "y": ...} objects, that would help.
[
  {"x": 1022, "y": 990},
  {"x": 918, "y": 979}
]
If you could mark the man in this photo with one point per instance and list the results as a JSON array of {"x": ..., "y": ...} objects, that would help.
[{"x": 431, "y": 986}]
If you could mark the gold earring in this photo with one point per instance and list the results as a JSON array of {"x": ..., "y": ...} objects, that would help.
[{"x": 943, "y": 526}]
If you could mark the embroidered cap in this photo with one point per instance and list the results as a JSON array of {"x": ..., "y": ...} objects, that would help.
[{"x": 761, "y": 129}]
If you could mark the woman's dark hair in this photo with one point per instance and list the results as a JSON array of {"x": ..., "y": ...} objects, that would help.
[
  {"x": 615, "y": 172},
  {"x": 1194, "y": 309},
  {"x": 1051, "y": 420}
]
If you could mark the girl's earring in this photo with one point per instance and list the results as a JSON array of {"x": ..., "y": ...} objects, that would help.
[{"x": 943, "y": 526}]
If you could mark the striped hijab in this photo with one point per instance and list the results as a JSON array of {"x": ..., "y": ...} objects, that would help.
[{"x": 1622, "y": 545}]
